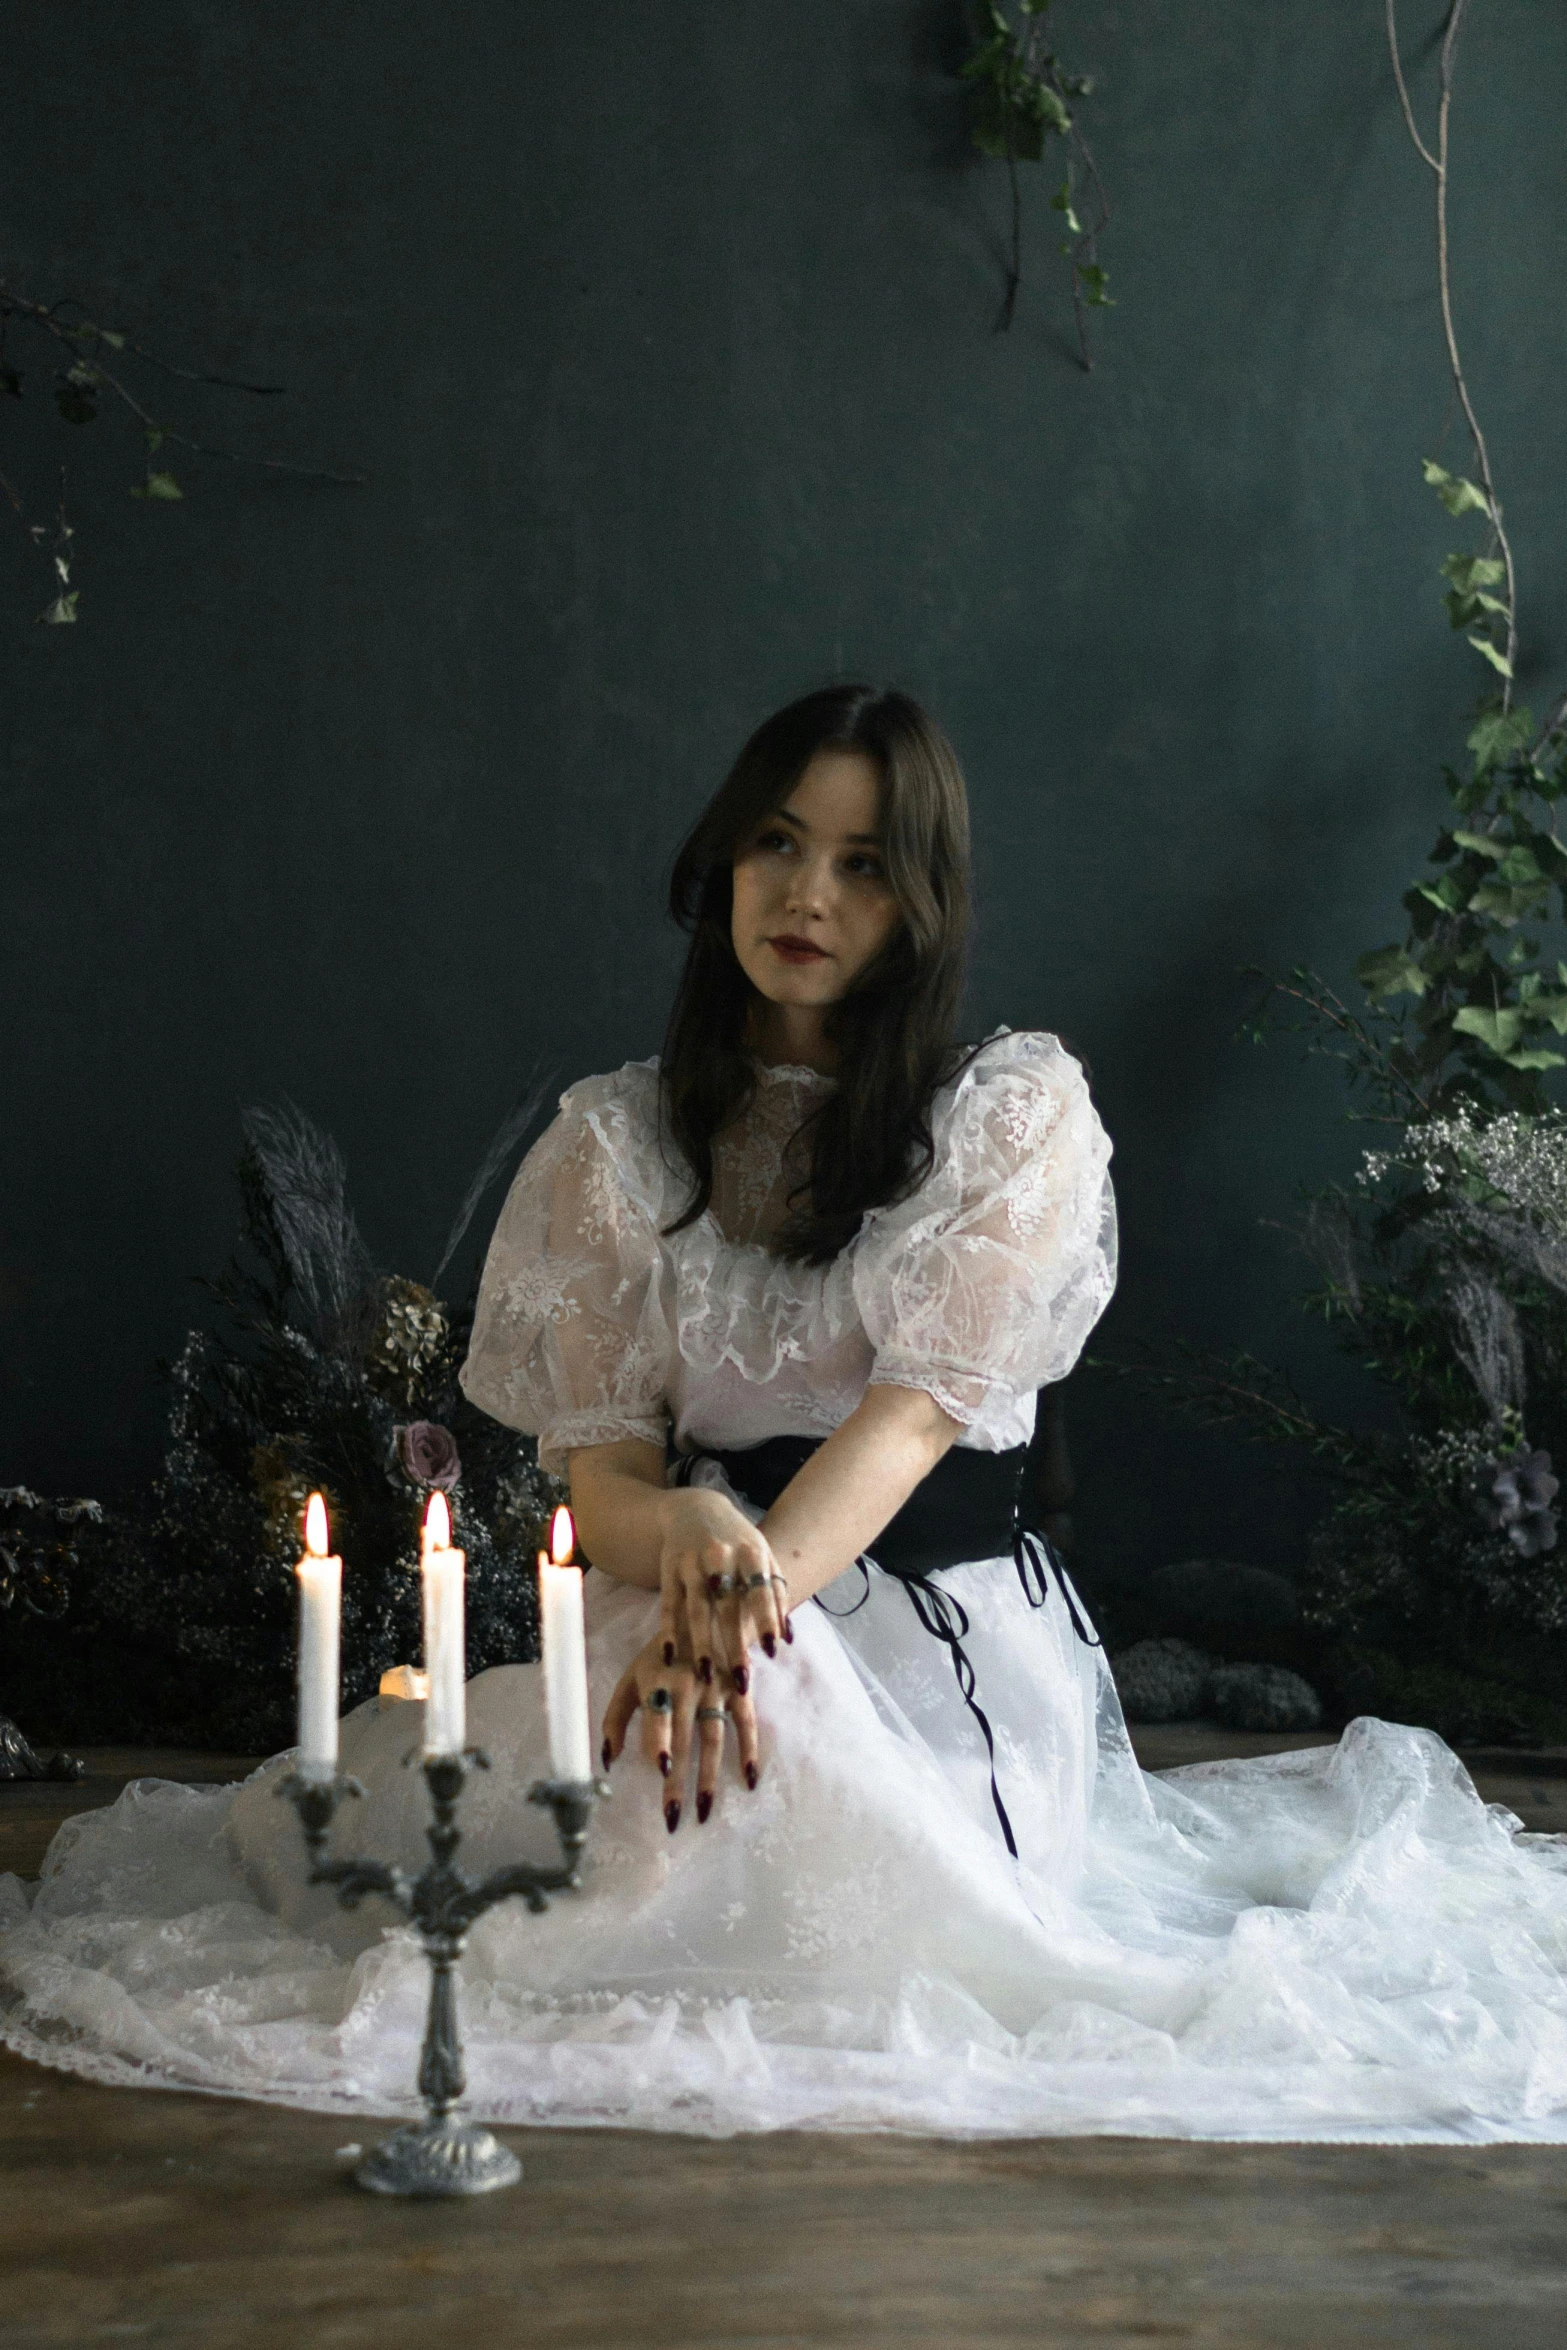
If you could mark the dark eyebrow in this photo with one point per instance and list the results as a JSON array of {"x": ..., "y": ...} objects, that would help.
[{"x": 865, "y": 840}]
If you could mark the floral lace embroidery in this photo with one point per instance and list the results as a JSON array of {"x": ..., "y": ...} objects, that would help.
[
  {"x": 534, "y": 1293},
  {"x": 761, "y": 1161},
  {"x": 979, "y": 1289}
]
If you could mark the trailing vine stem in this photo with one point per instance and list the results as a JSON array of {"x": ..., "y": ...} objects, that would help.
[
  {"x": 1437, "y": 163},
  {"x": 1022, "y": 98},
  {"x": 1082, "y": 252},
  {"x": 86, "y": 350},
  {"x": 1015, "y": 263},
  {"x": 1088, "y": 279},
  {"x": 46, "y": 316}
]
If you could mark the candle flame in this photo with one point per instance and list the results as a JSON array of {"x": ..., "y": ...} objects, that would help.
[
  {"x": 437, "y": 1524},
  {"x": 315, "y": 1527},
  {"x": 563, "y": 1538}
]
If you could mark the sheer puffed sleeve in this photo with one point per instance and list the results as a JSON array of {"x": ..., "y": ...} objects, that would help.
[
  {"x": 985, "y": 1285},
  {"x": 571, "y": 1340}
]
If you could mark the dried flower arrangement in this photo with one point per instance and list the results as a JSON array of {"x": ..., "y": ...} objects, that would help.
[{"x": 321, "y": 1372}]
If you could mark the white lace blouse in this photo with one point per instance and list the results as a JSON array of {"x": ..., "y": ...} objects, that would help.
[{"x": 595, "y": 1324}]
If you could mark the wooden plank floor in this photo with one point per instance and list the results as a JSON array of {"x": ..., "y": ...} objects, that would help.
[{"x": 136, "y": 2215}]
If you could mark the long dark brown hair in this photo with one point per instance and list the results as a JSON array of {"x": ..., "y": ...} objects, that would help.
[{"x": 871, "y": 1138}]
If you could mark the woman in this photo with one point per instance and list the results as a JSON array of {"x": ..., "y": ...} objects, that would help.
[
  {"x": 780, "y": 1307},
  {"x": 817, "y": 1241}
]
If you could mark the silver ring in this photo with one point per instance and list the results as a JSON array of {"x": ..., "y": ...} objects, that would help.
[
  {"x": 712, "y": 1713},
  {"x": 660, "y": 1702},
  {"x": 757, "y": 1582},
  {"x": 720, "y": 1586},
  {"x": 782, "y": 1581}
]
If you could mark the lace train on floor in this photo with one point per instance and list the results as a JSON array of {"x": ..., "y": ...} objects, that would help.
[{"x": 1344, "y": 1943}]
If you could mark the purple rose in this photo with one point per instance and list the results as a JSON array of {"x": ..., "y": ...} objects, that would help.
[{"x": 427, "y": 1454}]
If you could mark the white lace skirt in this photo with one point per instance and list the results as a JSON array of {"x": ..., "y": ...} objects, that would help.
[{"x": 1340, "y": 1944}]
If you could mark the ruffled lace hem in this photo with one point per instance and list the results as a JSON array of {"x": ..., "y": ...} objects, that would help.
[
  {"x": 961, "y": 1396},
  {"x": 564, "y": 1436},
  {"x": 1344, "y": 1944}
]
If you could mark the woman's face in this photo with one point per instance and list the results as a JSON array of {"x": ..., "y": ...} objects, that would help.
[{"x": 812, "y": 902}]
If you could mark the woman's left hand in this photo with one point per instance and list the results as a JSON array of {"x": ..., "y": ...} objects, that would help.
[{"x": 678, "y": 1710}]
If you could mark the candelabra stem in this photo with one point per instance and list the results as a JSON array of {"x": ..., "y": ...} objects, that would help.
[{"x": 441, "y": 2077}]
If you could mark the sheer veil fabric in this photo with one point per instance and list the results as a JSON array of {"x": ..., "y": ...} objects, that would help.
[{"x": 1342, "y": 1944}]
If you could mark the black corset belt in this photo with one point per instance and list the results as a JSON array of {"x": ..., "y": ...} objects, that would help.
[{"x": 970, "y": 1507}]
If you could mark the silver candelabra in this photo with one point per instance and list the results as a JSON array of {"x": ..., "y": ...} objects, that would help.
[{"x": 444, "y": 2156}]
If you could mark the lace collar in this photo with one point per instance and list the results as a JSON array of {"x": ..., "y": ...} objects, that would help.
[{"x": 790, "y": 1073}]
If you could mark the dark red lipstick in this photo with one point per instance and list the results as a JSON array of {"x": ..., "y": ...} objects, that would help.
[{"x": 797, "y": 950}]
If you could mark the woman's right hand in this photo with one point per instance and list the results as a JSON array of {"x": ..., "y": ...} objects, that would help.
[
  {"x": 720, "y": 1590},
  {"x": 678, "y": 1712}
]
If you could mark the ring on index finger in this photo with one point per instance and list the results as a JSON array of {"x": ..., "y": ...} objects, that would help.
[{"x": 712, "y": 1713}]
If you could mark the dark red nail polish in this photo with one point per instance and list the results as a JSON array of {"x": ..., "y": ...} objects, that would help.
[
  {"x": 789, "y": 1632},
  {"x": 704, "y": 1804},
  {"x": 715, "y": 1587},
  {"x": 769, "y": 1645},
  {"x": 671, "y": 1817},
  {"x": 664, "y": 1764},
  {"x": 705, "y": 1668},
  {"x": 669, "y": 1652},
  {"x": 751, "y": 1776},
  {"x": 742, "y": 1680},
  {"x": 608, "y": 1757}
]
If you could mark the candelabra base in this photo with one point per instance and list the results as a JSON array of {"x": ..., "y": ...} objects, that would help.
[{"x": 443, "y": 2157}]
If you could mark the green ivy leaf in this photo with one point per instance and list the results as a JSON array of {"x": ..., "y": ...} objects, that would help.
[
  {"x": 76, "y": 395},
  {"x": 1061, "y": 202},
  {"x": 1390, "y": 971},
  {"x": 1457, "y": 495},
  {"x": 62, "y": 611},
  {"x": 1535, "y": 1057},
  {"x": 1507, "y": 906},
  {"x": 1499, "y": 661},
  {"x": 1552, "y": 1009},
  {"x": 1464, "y": 609},
  {"x": 1469, "y": 572},
  {"x": 1500, "y": 1030},
  {"x": 1498, "y": 734},
  {"x": 1483, "y": 844},
  {"x": 158, "y": 485}
]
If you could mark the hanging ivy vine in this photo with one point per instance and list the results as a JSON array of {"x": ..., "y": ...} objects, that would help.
[
  {"x": 87, "y": 367},
  {"x": 1022, "y": 99}
]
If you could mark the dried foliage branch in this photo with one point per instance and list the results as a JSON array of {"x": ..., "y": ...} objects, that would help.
[{"x": 88, "y": 366}]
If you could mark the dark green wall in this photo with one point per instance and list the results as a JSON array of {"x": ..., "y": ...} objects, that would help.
[{"x": 663, "y": 333}]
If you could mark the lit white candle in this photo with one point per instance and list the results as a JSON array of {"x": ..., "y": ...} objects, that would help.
[
  {"x": 320, "y": 1605},
  {"x": 565, "y": 1655},
  {"x": 445, "y": 1646}
]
